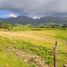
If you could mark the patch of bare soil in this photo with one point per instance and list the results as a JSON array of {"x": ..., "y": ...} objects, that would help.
[{"x": 28, "y": 57}]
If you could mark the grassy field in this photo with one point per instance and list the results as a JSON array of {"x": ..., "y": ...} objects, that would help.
[{"x": 32, "y": 48}]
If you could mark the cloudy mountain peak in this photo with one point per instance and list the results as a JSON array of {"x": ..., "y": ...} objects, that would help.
[
  {"x": 11, "y": 15},
  {"x": 36, "y": 17}
]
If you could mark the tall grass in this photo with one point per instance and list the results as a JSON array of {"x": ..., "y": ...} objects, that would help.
[{"x": 38, "y": 43}]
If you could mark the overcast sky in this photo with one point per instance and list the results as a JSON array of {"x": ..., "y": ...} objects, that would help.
[{"x": 33, "y": 8}]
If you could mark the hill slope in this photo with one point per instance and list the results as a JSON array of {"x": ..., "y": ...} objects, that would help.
[{"x": 35, "y": 22}]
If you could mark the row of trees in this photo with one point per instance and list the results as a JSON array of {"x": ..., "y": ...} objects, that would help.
[
  {"x": 63, "y": 26},
  {"x": 10, "y": 26},
  {"x": 6, "y": 26}
]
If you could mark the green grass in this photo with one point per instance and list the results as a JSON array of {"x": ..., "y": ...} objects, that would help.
[
  {"x": 9, "y": 59},
  {"x": 38, "y": 43}
]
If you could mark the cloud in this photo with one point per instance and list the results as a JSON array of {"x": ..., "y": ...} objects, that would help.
[
  {"x": 35, "y": 7},
  {"x": 11, "y": 15},
  {"x": 35, "y": 17}
]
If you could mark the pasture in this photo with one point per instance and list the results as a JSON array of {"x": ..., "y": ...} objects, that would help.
[{"x": 32, "y": 48}]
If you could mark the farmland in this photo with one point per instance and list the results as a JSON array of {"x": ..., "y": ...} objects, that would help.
[{"x": 32, "y": 48}]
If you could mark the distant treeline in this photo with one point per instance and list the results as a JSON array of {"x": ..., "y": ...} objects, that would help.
[
  {"x": 63, "y": 26},
  {"x": 10, "y": 26}
]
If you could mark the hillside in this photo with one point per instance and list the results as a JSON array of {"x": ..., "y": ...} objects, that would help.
[{"x": 36, "y": 22}]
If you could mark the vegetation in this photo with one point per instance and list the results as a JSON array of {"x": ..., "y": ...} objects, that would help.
[
  {"x": 20, "y": 45},
  {"x": 8, "y": 26}
]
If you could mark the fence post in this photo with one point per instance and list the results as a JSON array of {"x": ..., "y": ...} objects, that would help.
[{"x": 55, "y": 54}]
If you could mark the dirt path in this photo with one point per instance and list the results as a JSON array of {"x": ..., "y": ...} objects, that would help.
[{"x": 27, "y": 57}]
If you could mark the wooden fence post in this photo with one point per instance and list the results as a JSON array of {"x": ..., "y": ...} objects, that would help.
[{"x": 55, "y": 54}]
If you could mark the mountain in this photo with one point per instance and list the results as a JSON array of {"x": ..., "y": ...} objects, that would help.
[
  {"x": 51, "y": 19},
  {"x": 57, "y": 18},
  {"x": 54, "y": 18},
  {"x": 18, "y": 20}
]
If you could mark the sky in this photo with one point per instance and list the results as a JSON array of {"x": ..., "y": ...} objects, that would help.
[
  {"x": 32, "y": 8},
  {"x": 8, "y": 13}
]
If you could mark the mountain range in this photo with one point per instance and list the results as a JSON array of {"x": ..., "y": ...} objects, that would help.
[{"x": 54, "y": 18}]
